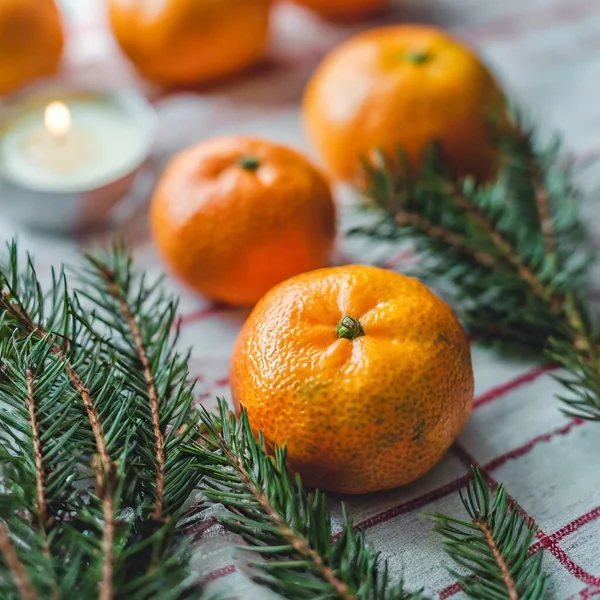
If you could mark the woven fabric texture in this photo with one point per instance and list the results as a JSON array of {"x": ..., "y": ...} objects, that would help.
[{"x": 546, "y": 53}]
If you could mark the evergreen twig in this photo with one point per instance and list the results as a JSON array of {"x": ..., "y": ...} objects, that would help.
[
  {"x": 18, "y": 571},
  {"x": 77, "y": 447},
  {"x": 102, "y": 464},
  {"x": 119, "y": 295},
  {"x": 288, "y": 527},
  {"x": 493, "y": 547},
  {"x": 143, "y": 327},
  {"x": 37, "y": 449},
  {"x": 514, "y": 254}
]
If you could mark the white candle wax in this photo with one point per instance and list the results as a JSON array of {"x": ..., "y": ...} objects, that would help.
[{"x": 94, "y": 143}]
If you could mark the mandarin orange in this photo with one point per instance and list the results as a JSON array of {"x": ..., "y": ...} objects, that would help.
[
  {"x": 234, "y": 216},
  {"x": 365, "y": 375},
  {"x": 190, "y": 41},
  {"x": 345, "y": 10},
  {"x": 403, "y": 87},
  {"x": 31, "y": 41}
]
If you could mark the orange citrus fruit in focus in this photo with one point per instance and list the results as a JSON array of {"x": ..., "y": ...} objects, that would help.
[
  {"x": 342, "y": 10},
  {"x": 364, "y": 374},
  {"x": 190, "y": 41},
  {"x": 31, "y": 41},
  {"x": 403, "y": 87},
  {"x": 234, "y": 216}
]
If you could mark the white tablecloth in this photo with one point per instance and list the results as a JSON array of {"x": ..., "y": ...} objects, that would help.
[{"x": 547, "y": 55}]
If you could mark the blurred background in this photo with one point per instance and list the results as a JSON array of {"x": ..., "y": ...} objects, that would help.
[{"x": 546, "y": 54}]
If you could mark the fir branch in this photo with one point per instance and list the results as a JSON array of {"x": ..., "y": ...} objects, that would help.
[
  {"x": 18, "y": 571},
  {"x": 141, "y": 320},
  {"x": 108, "y": 538},
  {"x": 506, "y": 250},
  {"x": 582, "y": 382},
  {"x": 519, "y": 153},
  {"x": 97, "y": 542},
  {"x": 432, "y": 230},
  {"x": 117, "y": 293},
  {"x": 37, "y": 449},
  {"x": 39, "y": 467},
  {"x": 513, "y": 255},
  {"x": 507, "y": 578},
  {"x": 493, "y": 547},
  {"x": 289, "y": 528},
  {"x": 36, "y": 473},
  {"x": 102, "y": 465},
  {"x": 31, "y": 328},
  {"x": 542, "y": 198}
]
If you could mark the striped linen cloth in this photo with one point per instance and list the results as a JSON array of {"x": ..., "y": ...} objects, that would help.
[{"x": 547, "y": 55}]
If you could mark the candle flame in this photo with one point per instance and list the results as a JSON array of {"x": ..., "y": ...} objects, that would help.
[{"x": 57, "y": 118}]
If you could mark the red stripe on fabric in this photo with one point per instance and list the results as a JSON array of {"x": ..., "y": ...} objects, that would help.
[
  {"x": 219, "y": 573},
  {"x": 552, "y": 546},
  {"x": 199, "y": 314},
  {"x": 449, "y": 488},
  {"x": 197, "y": 531},
  {"x": 567, "y": 562},
  {"x": 573, "y": 526},
  {"x": 411, "y": 505},
  {"x": 585, "y": 593},
  {"x": 528, "y": 446},
  {"x": 398, "y": 258},
  {"x": 534, "y": 548},
  {"x": 567, "y": 530},
  {"x": 513, "y": 384},
  {"x": 222, "y": 382},
  {"x": 449, "y": 591}
]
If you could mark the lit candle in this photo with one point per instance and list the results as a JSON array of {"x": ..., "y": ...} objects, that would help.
[
  {"x": 69, "y": 156},
  {"x": 74, "y": 144},
  {"x": 56, "y": 147}
]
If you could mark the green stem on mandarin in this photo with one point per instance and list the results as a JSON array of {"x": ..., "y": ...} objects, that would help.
[
  {"x": 349, "y": 328},
  {"x": 417, "y": 58},
  {"x": 249, "y": 162}
]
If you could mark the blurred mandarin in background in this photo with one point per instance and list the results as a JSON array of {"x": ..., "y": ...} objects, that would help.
[
  {"x": 234, "y": 216},
  {"x": 31, "y": 41},
  {"x": 345, "y": 10},
  {"x": 403, "y": 87},
  {"x": 178, "y": 42}
]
